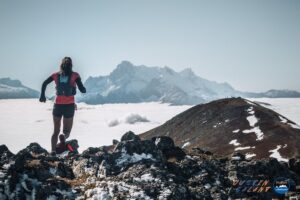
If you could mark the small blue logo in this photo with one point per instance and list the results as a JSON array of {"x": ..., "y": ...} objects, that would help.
[{"x": 281, "y": 185}]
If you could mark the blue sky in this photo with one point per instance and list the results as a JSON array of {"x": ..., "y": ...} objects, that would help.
[{"x": 254, "y": 45}]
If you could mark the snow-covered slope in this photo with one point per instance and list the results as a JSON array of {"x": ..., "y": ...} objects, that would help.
[
  {"x": 129, "y": 83},
  {"x": 13, "y": 89}
]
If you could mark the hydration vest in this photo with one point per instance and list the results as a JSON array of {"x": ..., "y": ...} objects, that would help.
[{"x": 64, "y": 86}]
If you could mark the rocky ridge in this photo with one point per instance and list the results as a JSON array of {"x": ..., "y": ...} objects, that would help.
[
  {"x": 232, "y": 125},
  {"x": 136, "y": 169}
]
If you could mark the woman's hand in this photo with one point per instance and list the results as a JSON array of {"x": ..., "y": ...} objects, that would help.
[{"x": 43, "y": 99}]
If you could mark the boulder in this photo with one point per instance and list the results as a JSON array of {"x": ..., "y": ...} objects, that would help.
[
  {"x": 130, "y": 136},
  {"x": 294, "y": 164},
  {"x": 5, "y": 155},
  {"x": 35, "y": 148},
  {"x": 163, "y": 143}
]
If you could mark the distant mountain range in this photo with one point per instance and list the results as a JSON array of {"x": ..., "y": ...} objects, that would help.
[
  {"x": 131, "y": 84},
  {"x": 13, "y": 89}
]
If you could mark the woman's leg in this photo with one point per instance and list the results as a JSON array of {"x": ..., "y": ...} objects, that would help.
[
  {"x": 56, "y": 121},
  {"x": 67, "y": 126}
]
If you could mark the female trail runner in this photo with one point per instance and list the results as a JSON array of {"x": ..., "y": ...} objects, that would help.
[{"x": 64, "y": 104}]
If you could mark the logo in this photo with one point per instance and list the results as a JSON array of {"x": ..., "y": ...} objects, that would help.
[
  {"x": 252, "y": 186},
  {"x": 281, "y": 185}
]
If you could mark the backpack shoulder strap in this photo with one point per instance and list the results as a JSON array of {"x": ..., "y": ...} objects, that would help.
[
  {"x": 58, "y": 78},
  {"x": 70, "y": 78}
]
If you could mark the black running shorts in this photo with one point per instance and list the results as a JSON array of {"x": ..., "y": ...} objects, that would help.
[{"x": 65, "y": 110}]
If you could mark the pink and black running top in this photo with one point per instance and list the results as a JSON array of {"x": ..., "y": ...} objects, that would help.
[{"x": 65, "y": 87}]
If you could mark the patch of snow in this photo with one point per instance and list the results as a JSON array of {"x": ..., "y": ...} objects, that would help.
[
  {"x": 227, "y": 120},
  {"x": 52, "y": 171},
  {"x": 207, "y": 186},
  {"x": 251, "y": 111},
  {"x": 236, "y": 131},
  {"x": 242, "y": 148},
  {"x": 185, "y": 144},
  {"x": 234, "y": 142},
  {"x": 146, "y": 178},
  {"x": 250, "y": 155},
  {"x": 157, "y": 140},
  {"x": 164, "y": 194},
  {"x": 7, "y": 165},
  {"x": 126, "y": 158},
  {"x": 275, "y": 154},
  {"x": 252, "y": 121},
  {"x": 283, "y": 120},
  {"x": 236, "y": 158},
  {"x": 216, "y": 125},
  {"x": 259, "y": 134}
]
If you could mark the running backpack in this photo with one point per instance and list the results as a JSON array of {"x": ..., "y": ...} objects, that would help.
[{"x": 64, "y": 87}]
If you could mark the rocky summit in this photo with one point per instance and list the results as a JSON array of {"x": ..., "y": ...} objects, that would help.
[
  {"x": 140, "y": 169},
  {"x": 233, "y": 125}
]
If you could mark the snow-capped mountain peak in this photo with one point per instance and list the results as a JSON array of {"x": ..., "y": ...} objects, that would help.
[
  {"x": 12, "y": 89},
  {"x": 131, "y": 83}
]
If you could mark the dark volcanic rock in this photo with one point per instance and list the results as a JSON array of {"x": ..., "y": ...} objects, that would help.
[
  {"x": 129, "y": 136},
  {"x": 163, "y": 143},
  {"x": 234, "y": 124},
  {"x": 295, "y": 164},
  {"x": 5, "y": 154},
  {"x": 35, "y": 148},
  {"x": 136, "y": 169}
]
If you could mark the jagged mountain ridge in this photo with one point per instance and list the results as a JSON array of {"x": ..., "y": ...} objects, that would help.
[
  {"x": 129, "y": 83},
  {"x": 132, "y": 84},
  {"x": 234, "y": 124},
  {"x": 14, "y": 89}
]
